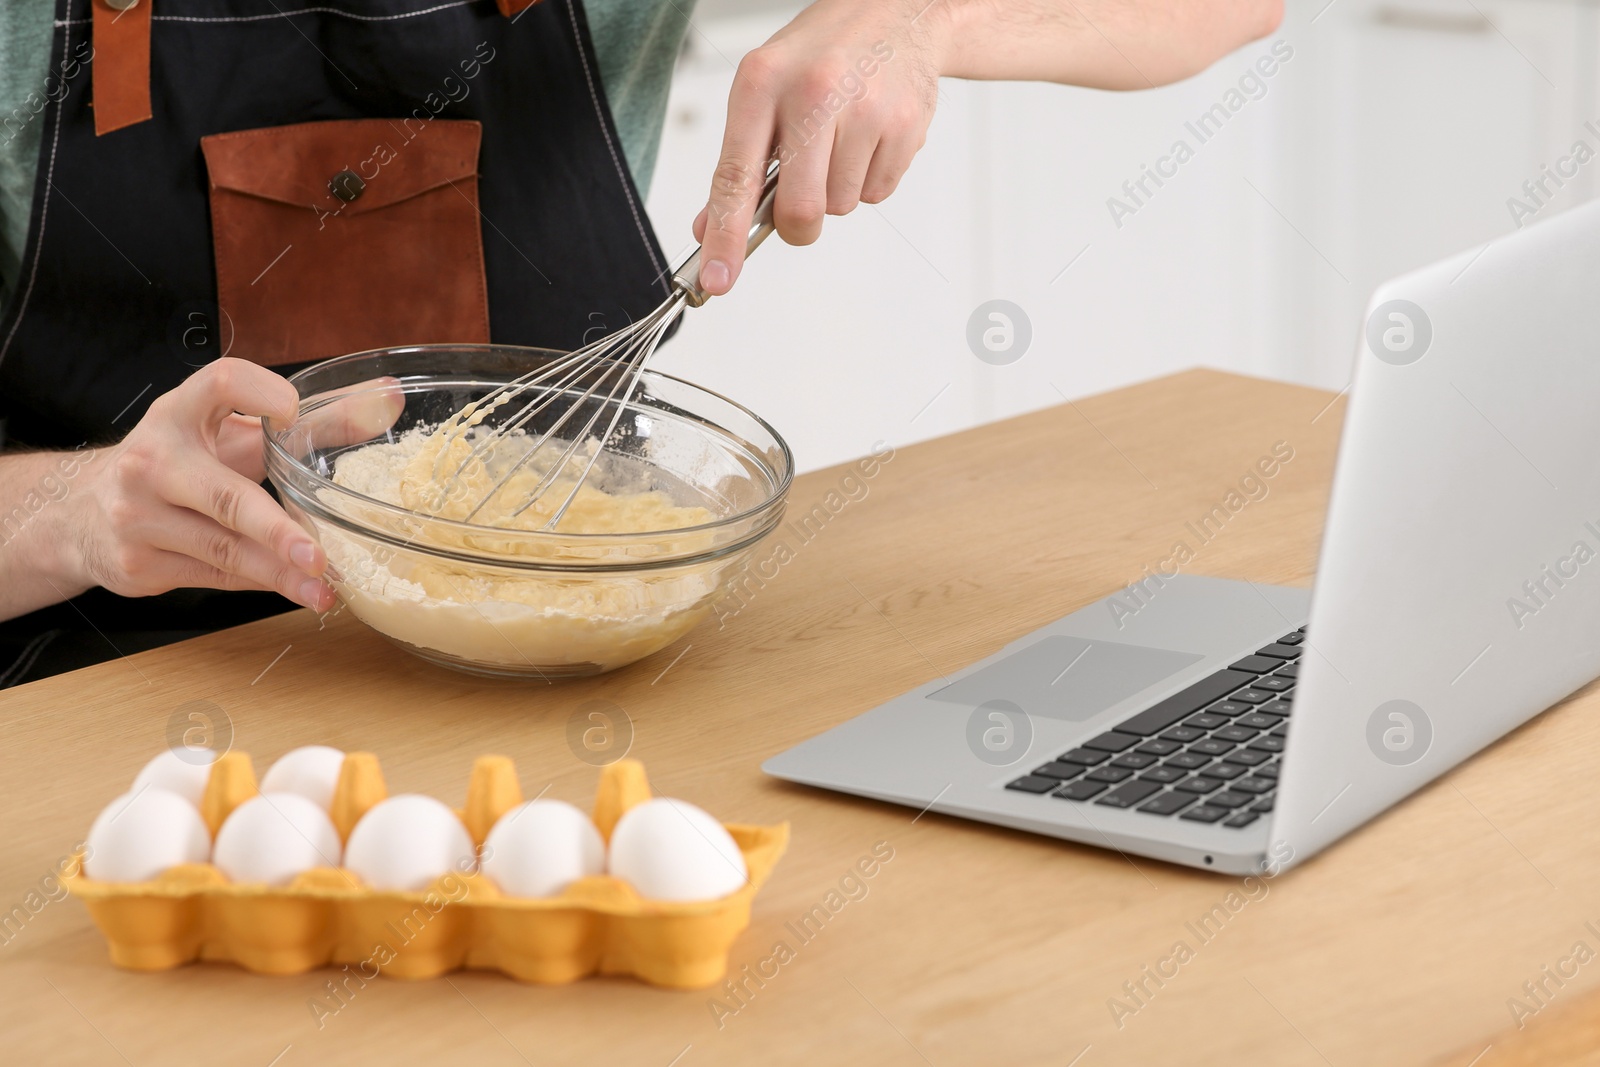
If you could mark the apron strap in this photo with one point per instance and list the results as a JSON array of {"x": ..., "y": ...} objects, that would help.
[
  {"x": 121, "y": 69},
  {"x": 121, "y": 72}
]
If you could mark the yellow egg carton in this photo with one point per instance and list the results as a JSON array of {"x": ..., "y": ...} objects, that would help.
[{"x": 598, "y": 925}]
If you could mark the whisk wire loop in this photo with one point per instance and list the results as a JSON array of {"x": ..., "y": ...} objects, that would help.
[{"x": 612, "y": 365}]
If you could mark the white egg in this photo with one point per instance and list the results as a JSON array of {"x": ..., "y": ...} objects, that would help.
[
  {"x": 671, "y": 850},
  {"x": 407, "y": 842},
  {"x": 312, "y": 771},
  {"x": 142, "y": 833},
  {"x": 273, "y": 837},
  {"x": 540, "y": 847},
  {"x": 182, "y": 773}
]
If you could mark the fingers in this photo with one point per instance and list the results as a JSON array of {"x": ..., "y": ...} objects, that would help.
[
  {"x": 144, "y": 570},
  {"x": 239, "y": 446},
  {"x": 175, "y": 570},
  {"x": 889, "y": 163},
  {"x": 365, "y": 411},
  {"x": 203, "y": 555},
  {"x": 242, "y": 506},
  {"x": 802, "y": 198},
  {"x": 368, "y": 410},
  {"x": 200, "y": 415},
  {"x": 178, "y": 501},
  {"x": 853, "y": 147},
  {"x": 741, "y": 172},
  {"x": 843, "y": 122},
  {"x": 228, "y": 557},
  {"x": 225, "y": 386}
]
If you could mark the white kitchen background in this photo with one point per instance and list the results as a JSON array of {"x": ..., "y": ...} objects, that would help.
[{"x": 1394, "y": 134}]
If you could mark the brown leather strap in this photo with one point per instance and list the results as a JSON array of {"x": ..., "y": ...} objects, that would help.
[
  {"x": 121, "y": 65},
  {"x": 508, "y": 8}
]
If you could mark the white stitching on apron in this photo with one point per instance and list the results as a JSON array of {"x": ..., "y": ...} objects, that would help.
[
  {"x": 27, "y": 658},
  {"x": 288, "y": 14},
  {"x": 627, "y": 187}
]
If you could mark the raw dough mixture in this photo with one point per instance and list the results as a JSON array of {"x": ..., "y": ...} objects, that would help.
[{"x": 485, "y": 614}]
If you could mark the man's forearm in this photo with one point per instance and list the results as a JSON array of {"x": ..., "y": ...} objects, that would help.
[
  {"x": 37, "y": 545},
  {"x": 1103, "y": 44}
]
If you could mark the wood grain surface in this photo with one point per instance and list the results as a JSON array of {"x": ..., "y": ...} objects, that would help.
[{"x": 1407, "y": 943}]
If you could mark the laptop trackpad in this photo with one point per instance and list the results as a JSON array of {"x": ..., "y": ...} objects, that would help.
[{"x": 1071, "y": 678}]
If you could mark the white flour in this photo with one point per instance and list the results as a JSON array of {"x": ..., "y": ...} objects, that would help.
[{"x": 503, "y": 615}]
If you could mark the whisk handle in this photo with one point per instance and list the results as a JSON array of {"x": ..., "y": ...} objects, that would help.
[{"x": 687, "y": 277}]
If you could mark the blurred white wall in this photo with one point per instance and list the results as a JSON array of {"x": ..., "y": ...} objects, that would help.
[{"x": 1387, "y": 135}]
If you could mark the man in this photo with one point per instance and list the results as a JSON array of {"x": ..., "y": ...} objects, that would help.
[{"x": 195, "y": 191}]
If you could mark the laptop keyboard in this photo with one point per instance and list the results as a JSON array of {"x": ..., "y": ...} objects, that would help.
[{"x": 1207, "y": 754}]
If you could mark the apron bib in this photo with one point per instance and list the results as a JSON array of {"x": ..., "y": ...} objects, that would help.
[
  {"x": 312, "y": 182},
  {"x": 287, "y": 183}
]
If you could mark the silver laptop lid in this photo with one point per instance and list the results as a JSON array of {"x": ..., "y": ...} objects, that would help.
[{"x": 1458, "y": 592}]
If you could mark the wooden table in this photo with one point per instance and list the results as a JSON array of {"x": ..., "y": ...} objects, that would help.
[{"x": 973, "y": 945}]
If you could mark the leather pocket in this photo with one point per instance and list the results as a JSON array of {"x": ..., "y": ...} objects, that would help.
[{"x": 339, "y": 236}]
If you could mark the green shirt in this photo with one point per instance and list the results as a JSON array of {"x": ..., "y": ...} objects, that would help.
[{"x": 636, "y": 42}]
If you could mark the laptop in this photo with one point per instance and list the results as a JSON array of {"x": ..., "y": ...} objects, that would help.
[{"x": 1241, "y": 727}]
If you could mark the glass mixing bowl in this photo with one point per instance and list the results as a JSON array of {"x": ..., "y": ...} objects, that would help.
[{"x": 519, "y": 603}]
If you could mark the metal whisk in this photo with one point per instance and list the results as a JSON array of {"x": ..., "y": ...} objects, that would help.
[{"x": 614, "y": 363}]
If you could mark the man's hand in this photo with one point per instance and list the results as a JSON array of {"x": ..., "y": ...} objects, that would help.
[
  {"x": 842, "y": 96},
  {"x": 178, "y": 502}
]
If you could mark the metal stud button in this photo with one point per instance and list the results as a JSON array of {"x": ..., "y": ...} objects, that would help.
[
  {"x": 121, "y": 5},
  {"x": 346, "y": 185}
]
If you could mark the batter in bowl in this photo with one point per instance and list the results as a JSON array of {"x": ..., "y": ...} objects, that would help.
[
  {"x": 480, "y": 613},
  {"x": 448, "y": 476}
]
